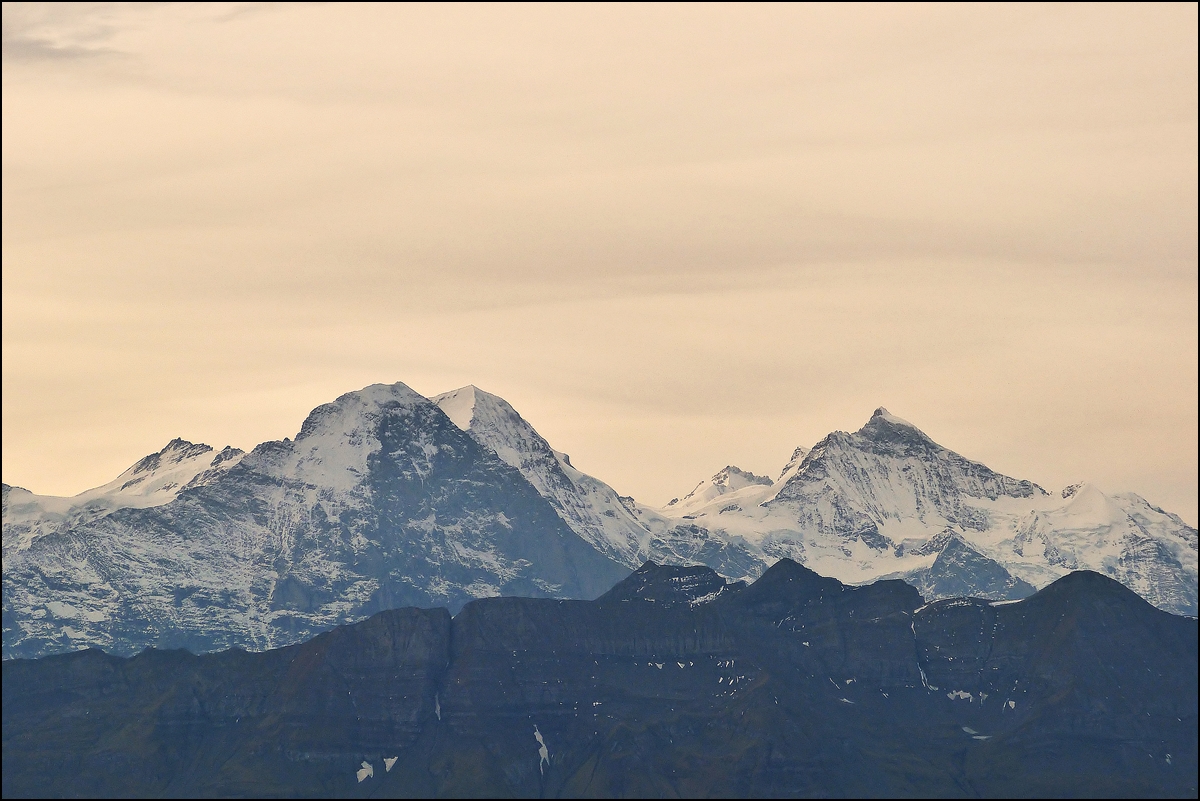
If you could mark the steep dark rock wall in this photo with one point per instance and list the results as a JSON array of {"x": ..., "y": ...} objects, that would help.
[{"x": 796, "y": 685}]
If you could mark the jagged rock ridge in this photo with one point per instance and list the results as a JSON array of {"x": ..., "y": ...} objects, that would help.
[
  {"x": 386, "y": 499},
  {"x": 879, "y": 501},
  {"x": 380, "y": 501}
]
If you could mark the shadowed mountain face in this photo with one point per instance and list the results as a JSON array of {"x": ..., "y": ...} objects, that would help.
[
  {"x": 388, "y": 499},
  {"x": 862, "y": 506},
  {"x": 380, "y": 502},
  {"x": 672, "y": 684},
  {"x": 960, "y": 571}
]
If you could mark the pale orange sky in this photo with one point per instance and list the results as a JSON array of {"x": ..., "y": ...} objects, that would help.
[{"x": 674, "y": 237}]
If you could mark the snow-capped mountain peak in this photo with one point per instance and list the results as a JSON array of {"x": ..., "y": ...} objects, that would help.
[
  {"x": 459, "y": 405},
  {"x": 387, "y": 498},
  {"x": 880, "y": 459},
  {"x": 492, "y": 421},
  {"x": 154, "y": 480},
  {"x": 730, "y": 479},
  {"x": 881, "y": 500},
  {"x": 734, "y": 478},
  {"x": 892, "y": 434},
  {"x": 793, "y": 464},
  {"x": 158, "y": 477},
  {"x": 883, "y": 416},
  {"x": 356, "y": 410},
  {"x": 337, "y": 440},
  {"x": 380, "y": 501},
  {"x": 590, "y": 507}
]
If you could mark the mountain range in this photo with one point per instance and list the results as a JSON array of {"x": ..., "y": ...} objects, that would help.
[
  {"x": 675, "y": 683},
  {"x": 387, "y": 499}
]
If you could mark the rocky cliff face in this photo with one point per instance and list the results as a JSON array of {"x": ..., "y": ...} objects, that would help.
[
  {"x": 886, "y": 500},
  {"x": 589, "y": 506},
  {"x": 795, "y": 685},
  {"x": 380, "y": 501},
  {"x": 387, "y": 499},
  {"x": 960, "y": 571},
  {"x": 882, "y": 501},
  {"x": 617, "y": 526}
]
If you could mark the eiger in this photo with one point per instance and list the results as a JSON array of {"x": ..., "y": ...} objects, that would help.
[{"x": 386, "y": 499}]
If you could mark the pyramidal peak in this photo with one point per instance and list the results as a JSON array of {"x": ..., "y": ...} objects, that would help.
[
  {"x": 886, "y": 416},
  {"x": 475, "y": 410},
  {"x": 793, "y": 464},
  {"x": 459, "y": 404},
  {"x": 589, "y": 506},
  {"x": 735, "y": 477},
  {"x": 492, "y": 421},
  {"x": 887, "y": 427}
]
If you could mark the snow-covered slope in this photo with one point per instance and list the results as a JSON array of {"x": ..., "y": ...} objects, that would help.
[
  {"x": 590, "y": 507},
  {"x": 386, "y": 499},
  {"x": 725, "y": 484},
  {"x": 155, "y": 480},
  {"x": 616, "y": 525},
  {"x": 872, "y": 503},
  {"x": 380, "y": 501},
  {"x": 885, "y": 500}
]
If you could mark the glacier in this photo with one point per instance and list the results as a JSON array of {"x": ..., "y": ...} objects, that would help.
[
  {"x": 882, "y": 502},
  {"x": 386, "y": 498},
  {"x": 379, "y": 502}
]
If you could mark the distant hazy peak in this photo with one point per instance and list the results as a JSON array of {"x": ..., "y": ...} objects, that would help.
[
  {"x": 735, "y": 477},
  {"x": 729, "y": 479}
]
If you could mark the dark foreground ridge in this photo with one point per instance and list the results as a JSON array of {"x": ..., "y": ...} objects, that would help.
[{"x": 672, "y": 684}]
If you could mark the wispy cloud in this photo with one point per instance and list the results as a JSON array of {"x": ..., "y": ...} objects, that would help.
[
  {"x": 22, "y": 48},
  {"x": 623, "y": 218},
  {"x": 50, "y": 32}
]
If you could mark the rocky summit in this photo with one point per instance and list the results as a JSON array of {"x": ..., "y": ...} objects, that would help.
[
  {"x": 674, "y": 683},
  {"x": 385, "y": 498},
  {"x": 380, "y": 501}
]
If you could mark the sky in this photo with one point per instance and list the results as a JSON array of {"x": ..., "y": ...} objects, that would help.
[{"x": 673, "y": 237}]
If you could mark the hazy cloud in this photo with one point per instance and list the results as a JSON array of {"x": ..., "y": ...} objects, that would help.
[
  {"x": 53, "y": 32},
  {"x": 673, "y": 236}
]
